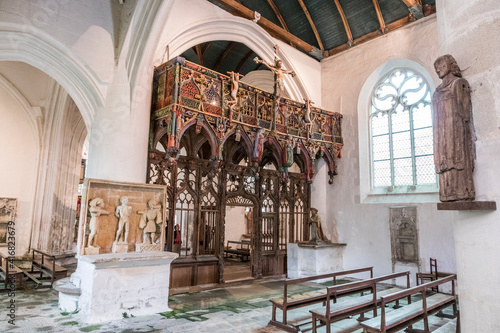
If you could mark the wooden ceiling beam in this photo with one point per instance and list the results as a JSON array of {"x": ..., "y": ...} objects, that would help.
[
  {"x": 383, "y": 28},
  {"x": 243, "y": 61},
  {"x": 415, "y": 8},
  {"x": 372, "y": 35},
  {"x": 224, "y": 55},
  {"x": 238, "y": 9},
  {"x": 350, "y": 40},
  {"x": 279, "y": 16},
  {"x": 311, "y": 22},
  {"x": 205, "y": 47},
  {"x": 199, "y": 53}
]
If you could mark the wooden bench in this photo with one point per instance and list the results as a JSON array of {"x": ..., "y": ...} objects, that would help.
[
  {"x": 9, "y": 273},
  {"x": 407, "y": 315},
  {"x": 243, "y": 250},
  {"x": 45, "y": 263},
  {"x": 289, "y": 303},
  {"x": 354, "y": 305}
]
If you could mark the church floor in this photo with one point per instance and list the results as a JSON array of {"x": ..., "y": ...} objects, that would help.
[{"x": 239, "y": 308}]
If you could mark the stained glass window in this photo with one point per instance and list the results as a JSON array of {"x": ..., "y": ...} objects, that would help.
[{"x": 401, "y": 131}]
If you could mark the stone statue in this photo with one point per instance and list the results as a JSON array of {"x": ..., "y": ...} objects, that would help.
[
  {"x": 149, "y": 219},
  {"x": 316, "y": 235},
  {"x": 96, "y": 209},
  {"x": 122, "y": 213},
  {"x": 454, "y": 134}
]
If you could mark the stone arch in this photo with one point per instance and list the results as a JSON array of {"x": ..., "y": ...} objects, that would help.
[{"x": 42, "y": 51}]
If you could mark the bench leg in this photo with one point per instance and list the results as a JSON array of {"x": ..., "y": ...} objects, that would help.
[
  {"x": 314, "y": 324},
  {"x": 284, "y": 316},
  {"x": 361, "y": 317},
  {"x": 274, "y": 313},
  {"x": 327, "y": 321}
]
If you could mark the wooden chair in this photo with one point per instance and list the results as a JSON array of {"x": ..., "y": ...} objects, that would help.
[{"x": 432, "y": 276}]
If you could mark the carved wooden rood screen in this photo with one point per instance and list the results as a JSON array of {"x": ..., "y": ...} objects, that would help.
[{"x": 214, "y": 151}]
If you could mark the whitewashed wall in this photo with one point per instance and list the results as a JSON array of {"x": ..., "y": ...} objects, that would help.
[
  {"x": 19, "y": 153},
  {"x": 470, "y": 31},
  {"x": 362, "y": 220},
  {"x": 235, "y": 224}
]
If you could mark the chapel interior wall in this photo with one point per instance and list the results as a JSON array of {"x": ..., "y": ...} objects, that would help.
[{"x": 364, "y": 226}]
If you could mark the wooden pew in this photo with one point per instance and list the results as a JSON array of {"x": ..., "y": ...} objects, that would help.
[
  {"x": 354, "y": 305},
  {"x": 243, "y": 250},
  {"x": 9, "y": 273},
  {"x": 407, "y": 315},
  {"x": 289, "y": 303},
  {"x": 46, "y": 264}
]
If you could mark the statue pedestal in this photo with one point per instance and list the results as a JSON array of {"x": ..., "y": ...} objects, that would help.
[
  {"x": 306, "y": 259},
  {"x": 91, "y": 250},
  {"x": 120, "y": 248},
  {"x": 113, "y": 285},
  {"x": 147, "y": 247}
]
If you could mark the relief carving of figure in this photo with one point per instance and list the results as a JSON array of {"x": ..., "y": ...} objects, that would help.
[
  {"x": 96, "y": 209},
  {"x": 454, "y": 134},
  {"x": 149, "y": 219},
  {"x": 122, "y": 212}
]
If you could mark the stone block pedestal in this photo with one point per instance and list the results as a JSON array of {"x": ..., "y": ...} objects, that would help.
[
  {"x": 117, "y": 283},
  {"x": 120, "y": 248},
  {"x": 305, "y": 259}
]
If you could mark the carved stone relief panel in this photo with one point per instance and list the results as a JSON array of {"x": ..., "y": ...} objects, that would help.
[
  {"x": 121, "y": 217},
  {"x": 8, "y": 208},
  {"x": 404, "y": 234}
]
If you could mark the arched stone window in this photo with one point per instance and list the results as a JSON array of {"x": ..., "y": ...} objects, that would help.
[{"x": 400, "y": 119}]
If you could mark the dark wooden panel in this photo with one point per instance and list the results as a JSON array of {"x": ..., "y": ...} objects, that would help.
[
  {"x": 182, "y": 276},
  {"x": 207, "y": 274}
]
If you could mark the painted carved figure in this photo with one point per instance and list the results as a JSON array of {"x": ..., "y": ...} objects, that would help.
[
  {"x": 454, "y": 134},
  {"x": 259, "y": 144},
  {"x": 278, "y": 71},
  {"x": 235, "y": 80},
  {"x": 149, "y": 219},
  {"x": 96, "y": 209},
  {"x": 122, "y": 212},
  {"x": 307, "y": 117},
  {"x": 289, "y": 145}
]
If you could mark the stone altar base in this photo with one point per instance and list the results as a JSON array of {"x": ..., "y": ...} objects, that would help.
[
  {"x": 120, "y": 248},
  {"x": 147, "y": 247},
  {"x": 305, "y": 259},
  {"x": 112, "y": 285},
  {"x": 92, "y": 250}
]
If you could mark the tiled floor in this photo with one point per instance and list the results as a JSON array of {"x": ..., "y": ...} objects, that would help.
[{"x": 241, "y": 308}]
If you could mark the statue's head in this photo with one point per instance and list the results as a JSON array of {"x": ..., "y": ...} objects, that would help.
[
  {"x": 314, "y": 211},
  {"x": 124, "y": 200},
  {"x": 447, "y": 64},
  {"x": 96, "y": 202},
  {"x": 151, "y": 204},
  {"x": 278, "y": 63}
]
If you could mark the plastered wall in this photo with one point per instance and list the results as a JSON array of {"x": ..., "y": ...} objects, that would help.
[
  {"x": 362, "y": 220},
  {"x": 19, "y": 154}
]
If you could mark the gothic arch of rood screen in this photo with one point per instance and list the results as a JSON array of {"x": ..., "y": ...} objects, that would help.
[{"x": 211, "y": 161}]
